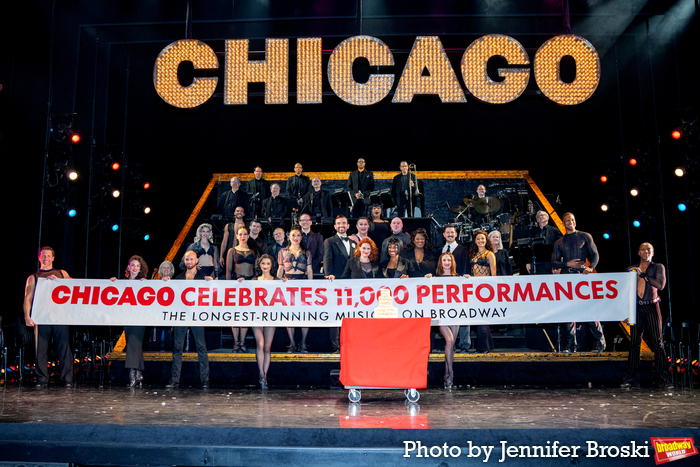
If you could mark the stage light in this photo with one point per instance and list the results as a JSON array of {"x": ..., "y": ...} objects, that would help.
[
  {"x": 680, "y": 171},
  {"x": 115, "y": 165},
  {"x": 676, "y": 134},
  {"x": 606, "y": 236},
  {"x": 146, "y": 210},
  {"x": 115, "y": 193},
  {"x": 73, "y": 137},
  {"x": 147, "y": 237},
  {"x": 604, "y": 207},
  {"x": 636, "y": 223},
  {"x": 633, "y": 161},
  {"x": 682, "y": 207},
  {"x": 72, "y": 175},
  {"x": 72, "y": 213},
  {"x": 146, "y": 185},
  {"x": 634, "y": 192},
  {"x": 603, "y": 178},
  {"x": 115, "y": 227}
]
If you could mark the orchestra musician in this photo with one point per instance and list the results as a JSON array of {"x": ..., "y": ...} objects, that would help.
[
  {"x": 403, "y": 191},
  {"x": 259, "y": 190},
  {"x": 360, "y": 184}
]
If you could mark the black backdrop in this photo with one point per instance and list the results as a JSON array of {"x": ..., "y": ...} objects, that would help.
[{"x": 101, "y": 69}]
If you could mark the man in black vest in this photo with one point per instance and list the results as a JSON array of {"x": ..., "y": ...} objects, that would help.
[
  {"x": 337, "y": 250},
  {"x": 60, "y": 332},
  {"x": 360, "y": 184}
]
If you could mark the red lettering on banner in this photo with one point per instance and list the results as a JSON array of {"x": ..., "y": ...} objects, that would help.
[
  {"x": 203, "y": 297},
  {"x": 467, "y": 291},
  {"x": 244, "y": 298},
  {"x": 305, "y": 296},
  {"x": 78, "y": 295},
  {"x": 437, "y": 293},
  {"x": 146, "y": 296},
  {"x": 578, "y": 291},
  {"x": 404, "y": 292},
  {"x": 423, "y": 291},
  {"x": 451, "y": 293},
  {"x": 165, "y": 296},
  {"x": 321, "y": 294},
  {"x": 183, "y": 296},
  {"x": 544, "y": 292},
  {"x": 559, "y": 290},
  {"x": 492, "y": 293},
  {"x": 363, "y": 293},
  {"x": 503, "y": 291},
  {"x": 610, "y": 285},
  {"x": 278, "y": 298},
  {"x": 229, "y": 297},
  {"x": 292, "y": 295},
  {"x": 597, "y": 287},
  {"x": 60, "y": 294},
  {"x": 109, "y": 296},
  {"x": 523, "y": 294},
  {"x": 260, "y": 296},
  {"x": 127, "y": 297},
  {"x": 95, "y": 296},
  {"x": 214, "y": 299}
]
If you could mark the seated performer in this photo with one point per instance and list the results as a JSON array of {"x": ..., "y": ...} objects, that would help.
[
  {"x": 295, "y": 264},
  {"x": 207, "y": 254},
  {"x": 233, "y": 199},
  {"x": 420, "y": 254},
  {"x": 61, "y": 333},
  {"x": 483, "y": 263},
  {"x": 651, "y": 278},
  {"x": 180, "y": 332},
  {"x": 264, "y": 335},
  {"x": 275, "y": 205},
  {"x": 259, "y": 190},
  {"x": 317, "y": 202},
  {"x": 364, "y": 264},
  {"x": 360, "y": 184},
  {"x": 403, "y": 191},
  {"x": 394, "y": 266}
]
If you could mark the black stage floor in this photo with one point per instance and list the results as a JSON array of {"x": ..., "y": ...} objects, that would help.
[{"x": 113, "y": 425}]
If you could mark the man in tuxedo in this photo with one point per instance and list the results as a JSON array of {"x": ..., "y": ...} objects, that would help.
[
  {"x": 403, "y": 186},
  {"x": 317, "y": 202},
  {"x": 360, "y": 184},
  {"x": 275, "y": 205},
  {"x": 312, "y": 241},
  {"x": 458, "y": 251},
  {"x": 337, "y": 250},
  {"x": 233, "y": 199},
  {"x": 259, "y": 190}
]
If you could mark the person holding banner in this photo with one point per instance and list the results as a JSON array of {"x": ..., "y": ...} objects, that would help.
[
  {"x": 569, "y": 257},
  {"x": 136, "y": 270},
  {"x": 240, "y": 263},
  {"x": 295, "y": 264},
  {"x": 207, "y": 253},
  {"x": 483, "y": 263},
  {"x": 364, "y": 264},
  {"x": 264, "y": 335},
  {"x": 180, "y": 332},
  {"x": 337, "y": 250},
  {"x": 651, "y": 278},
  {"x": 420, "y": 254},
  {"x": 61, "y": 333}
]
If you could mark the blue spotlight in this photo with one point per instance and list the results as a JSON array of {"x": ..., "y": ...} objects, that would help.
[
  {"x": 115, "y": 227},
  {"x": 73, "y": 212},
  {"x": 636, "y": 223},
  {"x": 682, "y": 207},
  {"x": 606, "y": 236},
  {"x": 147, "y": 237}
]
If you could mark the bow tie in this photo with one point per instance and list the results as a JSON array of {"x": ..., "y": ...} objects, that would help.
[{"x": 345, "y": 239}]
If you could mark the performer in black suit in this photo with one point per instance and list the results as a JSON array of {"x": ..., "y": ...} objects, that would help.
[
  {"x": 360, "y": 184},
  {"x": 403, "y": 186},
  {"x": 61, "y": 333},
  {"x": 550, "y": 234},
  {"x": 234, "y": 198},
  {"x": 449, "y": 231},
  {"x": 317, "y": 202},
  {"x": 298, "y": 184},
  {"x": 337, "y": 250},
  {"x": 312, "y": 242},
  {"x": 259, "y": 190},
  {"x": 275, "y": 205},
  {"x": 180, "y": 332}
]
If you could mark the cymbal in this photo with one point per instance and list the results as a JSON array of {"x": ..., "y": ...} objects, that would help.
[
  {"x": 487, "y": 205},
  {"x": 458, "y": 209},
  {"x": 467, "y": 200}
]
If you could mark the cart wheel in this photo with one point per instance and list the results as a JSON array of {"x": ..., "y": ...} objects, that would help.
[
  {"x": 354, "y": 395},
  {"x": 405, "y": 393},
  {"x": 412, "y": 395}
]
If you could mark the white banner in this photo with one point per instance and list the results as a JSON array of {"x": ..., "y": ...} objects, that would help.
[{"x": 321, "y": 303}]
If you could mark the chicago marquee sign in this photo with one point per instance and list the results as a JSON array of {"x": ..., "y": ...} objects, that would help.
[{"x": 427, "y": 53}]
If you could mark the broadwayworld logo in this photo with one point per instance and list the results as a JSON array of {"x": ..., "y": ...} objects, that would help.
[{"x": 671, "y": 449}]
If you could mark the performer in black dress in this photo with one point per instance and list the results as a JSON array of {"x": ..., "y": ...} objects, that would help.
[
  {"x": 378, "y": 227},
  {"x": 394, "y": 266},
  {"x": 421, "y": 254},
  {"x": 503, "y": 266},
  {"x": 483, "y": 263},
  {"x": 364, "y": 264},
  {"x": 207, "y": 253},
  {"x": 240, "y": 263},
  {"x": 136, "y": 269}
]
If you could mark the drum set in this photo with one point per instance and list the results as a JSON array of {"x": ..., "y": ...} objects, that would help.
[{"x": 482, "y": 214}]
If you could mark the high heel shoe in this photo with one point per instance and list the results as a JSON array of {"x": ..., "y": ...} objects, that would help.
[
  {"x": 132, "y": 378},
  {"x": 291, "y": 348},
  {"x": 263, "y": 382},
  {"x": 236, "y": 347},
  {"x": 139, "y": 378},
  {"x": 242, "y": 346},
  {"x": 303, "y": 348}
]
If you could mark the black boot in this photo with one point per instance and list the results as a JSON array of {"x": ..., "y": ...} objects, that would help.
[
  {"x": 132, "y": 378},
  {"x": 139, "y": 378}
]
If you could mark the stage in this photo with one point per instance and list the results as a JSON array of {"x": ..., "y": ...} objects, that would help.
[{"x": 242, "y": 425}]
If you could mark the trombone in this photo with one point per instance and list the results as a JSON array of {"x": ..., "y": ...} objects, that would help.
[{"x": 412, "y": 170}]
